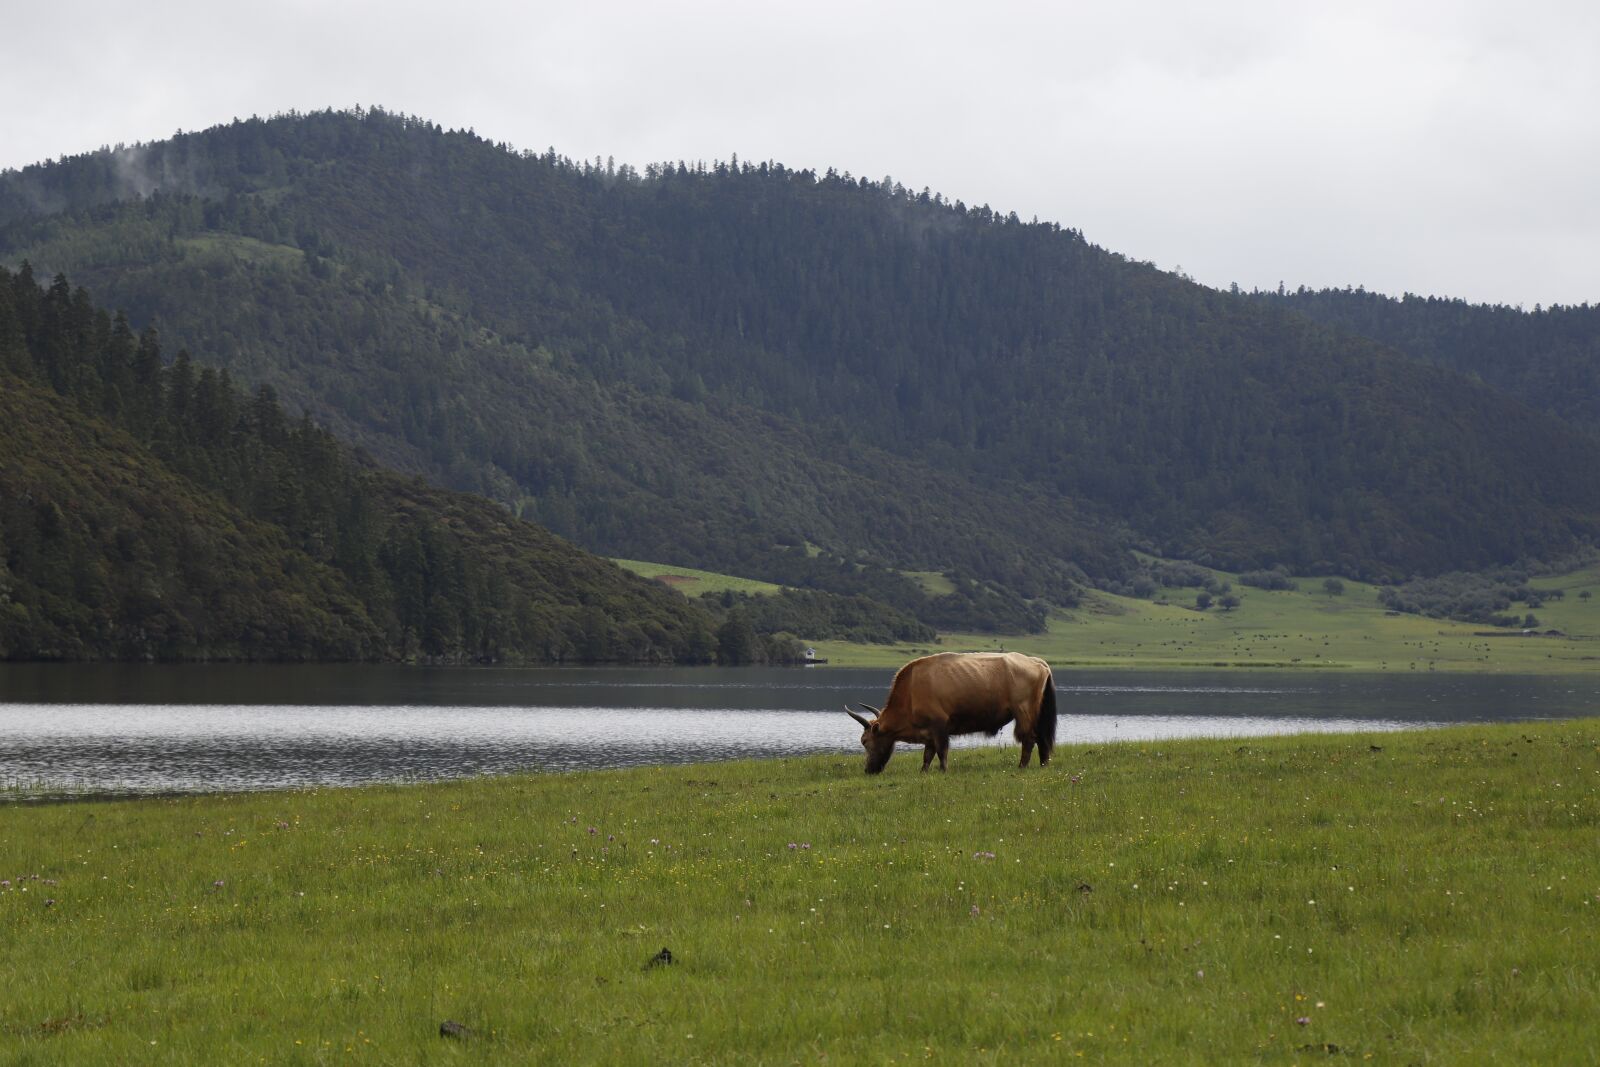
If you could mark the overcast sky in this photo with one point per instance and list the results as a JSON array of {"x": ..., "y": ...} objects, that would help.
[{"x": 1449, "y": 148}]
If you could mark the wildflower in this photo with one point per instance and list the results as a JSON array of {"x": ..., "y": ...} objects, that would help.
[
  {"x": 983, "y": 855},
  {"x": 594, "y": 829},
  {"x": 1304, "y": 1020},
  {"x": 804, "y": 845},
  {"x": 793, "y": 846},
  {"x": 218, "y": 884},
  {"x": 49, "y": 902},
  {"x": 1075, "y": 779},
  {"x": 974, "y": 909}
]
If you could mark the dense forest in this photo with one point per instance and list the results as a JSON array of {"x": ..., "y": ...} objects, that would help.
[
  {"x": 151, "y": 510},
  {"x": 1549, "y": 358},
  {"x": 812, "y": 378}
]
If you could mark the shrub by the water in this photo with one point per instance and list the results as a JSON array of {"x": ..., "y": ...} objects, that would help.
[{"x": 1275, "y": 578}]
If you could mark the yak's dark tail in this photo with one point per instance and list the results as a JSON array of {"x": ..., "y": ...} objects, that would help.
[{"x": 1044, "y": 730}]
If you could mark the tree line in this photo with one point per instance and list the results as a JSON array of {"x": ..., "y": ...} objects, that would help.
[{"x": 152, "y": 510}]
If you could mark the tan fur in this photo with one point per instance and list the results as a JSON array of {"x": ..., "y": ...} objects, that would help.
[{"x": 938, "y": 697}]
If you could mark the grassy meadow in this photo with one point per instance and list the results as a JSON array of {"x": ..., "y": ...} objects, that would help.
[
  {"x": 1431, "y": 897},
  {"x": 691, "y": 582},
  {"x": 1304, "y": 628}
]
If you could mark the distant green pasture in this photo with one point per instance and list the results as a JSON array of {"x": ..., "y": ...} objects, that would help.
[
  {"x": 691, "y": 582},
  {"x": 933, "y": 583},
  {"x": 1304, "y": 628},
  {"x": 248, "y": 249}
]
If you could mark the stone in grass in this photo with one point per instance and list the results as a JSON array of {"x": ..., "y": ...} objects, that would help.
[
  {"x": 451, "y": 1028},
  {"x": 660, "y": 959}
]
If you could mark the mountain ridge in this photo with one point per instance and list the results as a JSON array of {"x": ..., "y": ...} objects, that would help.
[{"x": 437, "y": 297}]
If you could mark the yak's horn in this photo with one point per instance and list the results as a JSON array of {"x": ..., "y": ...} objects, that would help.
[
  {"x": 869, "y": 707},
  {"x": 864, "y": 723}
]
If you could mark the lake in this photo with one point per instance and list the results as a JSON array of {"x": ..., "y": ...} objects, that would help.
[{"x": 134, "y": 729}]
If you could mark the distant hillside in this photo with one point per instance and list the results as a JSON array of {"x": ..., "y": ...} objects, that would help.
[
  {"x": 152, "y": 512},
  {"x": 1549, "y": 358},
  {"x": 719, "y": 366}
]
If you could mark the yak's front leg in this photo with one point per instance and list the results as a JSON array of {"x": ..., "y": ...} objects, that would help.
[
  {"x": 1027, "y": 752},
  {"x": 928, "y": 752},
  {"x": 942, "y": 743}
]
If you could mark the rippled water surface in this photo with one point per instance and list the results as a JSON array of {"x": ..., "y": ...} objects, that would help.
[{"x": 158, "y": 729}]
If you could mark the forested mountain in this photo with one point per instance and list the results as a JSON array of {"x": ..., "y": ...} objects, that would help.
[
  {"x": 151, "y": 511},
  {"x": 788, "y": 374},
  {"x": 1548, "y": 358}
]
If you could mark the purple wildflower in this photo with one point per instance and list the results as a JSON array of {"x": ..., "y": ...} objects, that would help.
[
  {"x": 218, "y": 884},
  {"x": 974, "y": 909},
  {"x": 793, "y": 846},
  {"x": 1304, "y": 1020},
  {"x": 983, "y": 855}
]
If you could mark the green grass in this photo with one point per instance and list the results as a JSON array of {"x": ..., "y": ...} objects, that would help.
[
  {"x": 933, "y": 582},
  {"x": 1302, "y": 628},
  {"x": 249, "y": 249},
  {"x": 1405, "y": 898},
  {"x": 691, "y": 582}
]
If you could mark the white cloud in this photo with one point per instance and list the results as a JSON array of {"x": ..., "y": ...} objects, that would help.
[{"x": 1448, "y": 148}]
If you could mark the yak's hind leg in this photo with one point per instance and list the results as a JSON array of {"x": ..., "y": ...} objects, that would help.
[
  {"x": 1025, "y": 736},
  {"x": 928, "y": 753},
  {"x": 944, "y": 752}
]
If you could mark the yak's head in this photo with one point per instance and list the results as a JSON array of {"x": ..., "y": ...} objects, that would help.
[{"x": 874, "y": 738}]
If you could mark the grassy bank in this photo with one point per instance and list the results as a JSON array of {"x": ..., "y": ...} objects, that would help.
[
  {"x": 1413, "y": 898},
  {"x": 691, "y": 582},
  {"x": 1304, "y": 628}
]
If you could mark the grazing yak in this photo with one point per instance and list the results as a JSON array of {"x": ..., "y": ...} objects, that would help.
[{"x": 937, "y": 697}]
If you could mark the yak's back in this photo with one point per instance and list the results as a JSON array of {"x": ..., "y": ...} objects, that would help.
[{"x": 1002, "y": 677}]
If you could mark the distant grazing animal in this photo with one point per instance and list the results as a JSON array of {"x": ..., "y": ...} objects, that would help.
[{"x": 938, "y": 697}]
